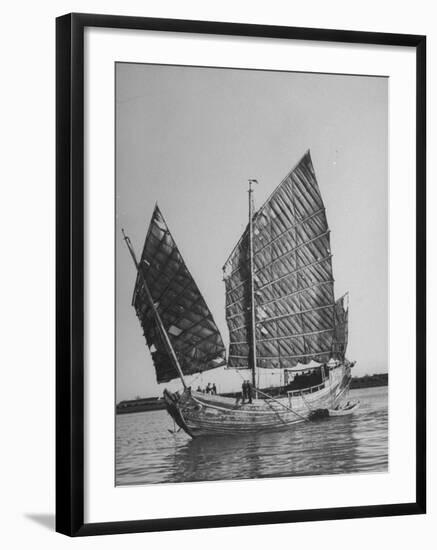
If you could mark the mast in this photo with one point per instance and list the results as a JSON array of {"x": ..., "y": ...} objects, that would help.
[
  {"x": 158, "y": 319},
  {"x": 252, "y": 348},
  {"x": 283, "y": 292}
]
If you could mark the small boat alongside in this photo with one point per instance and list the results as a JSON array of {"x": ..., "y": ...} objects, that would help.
[
  {"x": 347, "y": 409},
  {"x": 280, "y": 310}
]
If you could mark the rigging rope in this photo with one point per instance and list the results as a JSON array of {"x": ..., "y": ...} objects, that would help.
[
  {"x": 283, "y": 405},
  {"x": 305, "y": 401}
]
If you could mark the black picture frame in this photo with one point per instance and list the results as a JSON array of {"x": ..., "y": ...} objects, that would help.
[{"x": 70, "y": 273}]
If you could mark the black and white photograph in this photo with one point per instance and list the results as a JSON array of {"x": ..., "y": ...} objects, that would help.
[
  {"x": 252, "y": 289},
  {"x": 217, "y": 287}
]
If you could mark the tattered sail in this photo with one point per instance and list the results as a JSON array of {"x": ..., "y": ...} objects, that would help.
[
  {"x": 341, "y": 312},
  {"x": 191, "y": 328},
  {"x": 292, "y": 275}
]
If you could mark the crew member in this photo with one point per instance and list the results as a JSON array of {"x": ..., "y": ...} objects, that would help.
[
  {"x": 244, "y": 391},
  {"x": 249, "y": 391}
]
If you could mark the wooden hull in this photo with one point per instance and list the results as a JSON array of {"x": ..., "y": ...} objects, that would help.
[
  {"x": 202, "y": 414},
  {"x": 345, "y": 411}
]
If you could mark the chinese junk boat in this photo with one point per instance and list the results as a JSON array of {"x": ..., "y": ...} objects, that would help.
[{"x": 280, "y": 310}]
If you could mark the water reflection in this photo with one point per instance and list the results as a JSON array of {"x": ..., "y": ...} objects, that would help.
[
  {"x": 147, "y": 453},
  {"x": 213, "y": 458}
]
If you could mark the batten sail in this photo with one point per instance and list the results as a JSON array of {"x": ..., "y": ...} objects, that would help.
[
  {"x": 293, "y": 280},
  {"x": 190, "y": 326}
]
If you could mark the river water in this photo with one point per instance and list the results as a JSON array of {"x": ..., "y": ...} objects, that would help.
[{"x": 146, "y": 452}]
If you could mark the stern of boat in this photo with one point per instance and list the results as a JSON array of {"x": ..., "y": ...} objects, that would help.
[{"x": 340, "y": 378}]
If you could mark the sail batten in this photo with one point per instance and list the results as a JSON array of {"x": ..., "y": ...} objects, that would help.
[
  {"x": 296, "y": 315},
  {"x": 288, "y": 253},
  {"x": 297, "y": 335},
  {"x": 186, "y": 318},
  {"x": 302, "y": 268},
  {"x": 290, "y": 229},
  {"x": 329, "y": 281},
  {"x": 287, "y": 315},
  {"x": 295, "y": 356}
]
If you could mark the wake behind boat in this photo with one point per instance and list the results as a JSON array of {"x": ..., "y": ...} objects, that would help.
[{"x": 280, "y": 310}]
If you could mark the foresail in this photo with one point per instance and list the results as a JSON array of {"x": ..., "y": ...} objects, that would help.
[
  {"x": 293, "y": 280},
  {"x": 191, "y": 328}
]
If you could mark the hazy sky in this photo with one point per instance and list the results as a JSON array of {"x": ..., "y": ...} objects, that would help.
[{"x": 189, "y": 138}]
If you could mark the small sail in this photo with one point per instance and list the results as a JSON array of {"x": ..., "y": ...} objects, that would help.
[
  {"x": 293, "y": 281},
  {"x": 341, "y": 327},
  {"x": 191, "y": 328}
]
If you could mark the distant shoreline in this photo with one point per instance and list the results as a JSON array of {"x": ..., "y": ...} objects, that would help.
[
  {"x": 369, "y": 381},
  {"x": 140, "y": 405}
]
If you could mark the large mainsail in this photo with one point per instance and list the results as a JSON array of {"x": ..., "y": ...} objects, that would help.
[
  {"x": 295, "y": 312},
  {"x": 193, "y": 333}
]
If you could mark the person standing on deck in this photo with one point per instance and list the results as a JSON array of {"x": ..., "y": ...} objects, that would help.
[
  {"x": 249, "y": 390},
  {"x": 244, "y": 391}
]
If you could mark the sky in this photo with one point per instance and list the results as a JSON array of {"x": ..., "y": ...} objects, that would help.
[{"x": 189, "y": 138}]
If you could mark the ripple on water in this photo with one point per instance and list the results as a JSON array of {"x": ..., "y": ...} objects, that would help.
[{"x": 147, "y": 453}]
